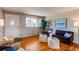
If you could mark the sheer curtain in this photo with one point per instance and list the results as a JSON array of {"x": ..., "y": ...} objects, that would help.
[
  {"x": 32, "y": 21},
  {"x": 29, "y": 25}
]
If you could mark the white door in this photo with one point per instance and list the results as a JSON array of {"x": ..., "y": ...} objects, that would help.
[{"x": 12, "y": 25}]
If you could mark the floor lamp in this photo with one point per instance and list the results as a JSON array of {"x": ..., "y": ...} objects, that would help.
[
  {"x": 2, "y": 24},
  {"x": 76, "y": 24}
]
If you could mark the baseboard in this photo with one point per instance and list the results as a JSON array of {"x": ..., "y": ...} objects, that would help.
[
  {"x": 76, "y": 44},
  {"x": 30, "y": 36}
]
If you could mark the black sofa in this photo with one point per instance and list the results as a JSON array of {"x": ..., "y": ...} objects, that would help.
[
  {"x": 60, "y": 34},
  {"x": 8, "y": 48}
]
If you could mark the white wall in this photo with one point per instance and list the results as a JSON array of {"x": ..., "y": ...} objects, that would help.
[
  {"x": 19, "y": 29},
  {"x": 27, "y": 31},
  {"x": 71, "y": 16},
  {"x": 12, "y": 24},
  {"x": 1, "y": 27}
]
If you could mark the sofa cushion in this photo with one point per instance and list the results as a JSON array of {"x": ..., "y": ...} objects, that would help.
[
  {"x": 8, "y": 40},
  {"x": 54, "y": 31},
  {"x": 61, "y": 33}
]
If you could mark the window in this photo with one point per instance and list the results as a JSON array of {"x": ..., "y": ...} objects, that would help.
[
  {"x": 32, "y": 22},
  {"x": 28, "y": 22}
]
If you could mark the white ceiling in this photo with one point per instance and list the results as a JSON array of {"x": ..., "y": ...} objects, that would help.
[{"x": 40, "y": 11}]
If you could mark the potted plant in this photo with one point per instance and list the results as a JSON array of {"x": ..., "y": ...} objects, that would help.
[{"x": 43, "y": 24}]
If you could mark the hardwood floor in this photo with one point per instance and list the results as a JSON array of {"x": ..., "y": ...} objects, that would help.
[{"x": 33, "y": 44}]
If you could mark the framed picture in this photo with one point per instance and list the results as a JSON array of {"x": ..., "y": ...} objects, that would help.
[{"x": 61, "y": 23}]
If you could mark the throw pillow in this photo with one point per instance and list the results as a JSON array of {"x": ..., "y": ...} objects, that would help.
[
  {"x": 11, "y": 40},
  {"x": 2, "y": 41},
  {"x": 67, "y": 35},
  {"x": 6, "y": 38},
  {"x": 54, "y": 31}
]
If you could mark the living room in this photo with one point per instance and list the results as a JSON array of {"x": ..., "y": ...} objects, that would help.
[{"x": 22, "y": 25}]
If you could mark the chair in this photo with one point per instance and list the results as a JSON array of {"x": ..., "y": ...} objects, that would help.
[
  {"x": 53, "y": 42},
  {"x": 43, "y": 38}
]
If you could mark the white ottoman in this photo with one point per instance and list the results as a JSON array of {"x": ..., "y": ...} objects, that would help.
[
  {"x": 53, "y": 42},
  {"x": 43, "y": 38}
]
